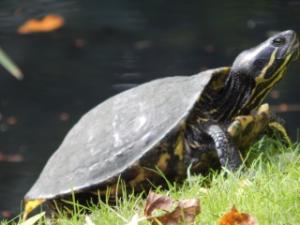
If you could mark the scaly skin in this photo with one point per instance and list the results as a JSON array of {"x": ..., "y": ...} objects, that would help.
[
  {"x": 227, "y": 151},
  {"x": 223, "y": 117}
]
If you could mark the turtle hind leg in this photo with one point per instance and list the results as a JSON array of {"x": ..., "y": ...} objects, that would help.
[
  {"x": 246, "y": 129},
  {"x": 31, "y": 205},
  {"x": 277, "y": 128}
]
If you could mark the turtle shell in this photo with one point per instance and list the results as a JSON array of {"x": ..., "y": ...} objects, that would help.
[{"x": 118, "y": 132}]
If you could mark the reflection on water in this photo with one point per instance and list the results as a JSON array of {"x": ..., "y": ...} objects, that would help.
[{"x": 106, "y": 47}]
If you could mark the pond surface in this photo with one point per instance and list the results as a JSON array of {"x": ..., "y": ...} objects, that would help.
[{"x": 105, "y": 48}]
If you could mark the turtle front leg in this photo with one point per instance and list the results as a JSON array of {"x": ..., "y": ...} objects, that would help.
[
  {"x": 206, "y": 141},
  {"x": 228, "y": 153}
]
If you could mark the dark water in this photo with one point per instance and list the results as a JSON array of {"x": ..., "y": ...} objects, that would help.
[{"x": 109, "y": 46}]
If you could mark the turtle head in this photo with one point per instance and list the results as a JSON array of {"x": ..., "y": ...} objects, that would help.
[{"x": 264, "y": 65}]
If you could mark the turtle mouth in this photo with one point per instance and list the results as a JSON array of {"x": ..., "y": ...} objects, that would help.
[{"x": 296, "y": 55}]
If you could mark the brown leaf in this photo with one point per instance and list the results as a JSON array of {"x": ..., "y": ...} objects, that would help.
[
  {"x": 184, "y": 213},
  {"x": 234, "y": 217},
  {"x": 46, "y": 24},
  {"x": 155, "y": 201}
]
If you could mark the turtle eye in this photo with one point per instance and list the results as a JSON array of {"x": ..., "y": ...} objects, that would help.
[{"x": 279, "y": 41}]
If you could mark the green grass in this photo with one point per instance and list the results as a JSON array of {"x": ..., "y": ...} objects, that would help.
[{"x": 268, "y": 188}]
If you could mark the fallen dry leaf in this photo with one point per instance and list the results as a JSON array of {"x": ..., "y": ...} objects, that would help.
[
  {"x": 155, "y": 201},
  {"x": 234, "y": 217},
  {"x": 46, "y": 24},
  {"x": 184, "y": 213}
]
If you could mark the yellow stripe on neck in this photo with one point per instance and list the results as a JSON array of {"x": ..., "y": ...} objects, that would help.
[{"x": 261, "y": 77}]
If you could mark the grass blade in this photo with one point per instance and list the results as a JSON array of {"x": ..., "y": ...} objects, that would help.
[
  {"x": 34, "y": 219},
  {"x": 9, "y": 65}
]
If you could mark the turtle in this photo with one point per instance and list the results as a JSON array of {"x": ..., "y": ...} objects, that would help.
[{"x": 165, "y": 126}]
